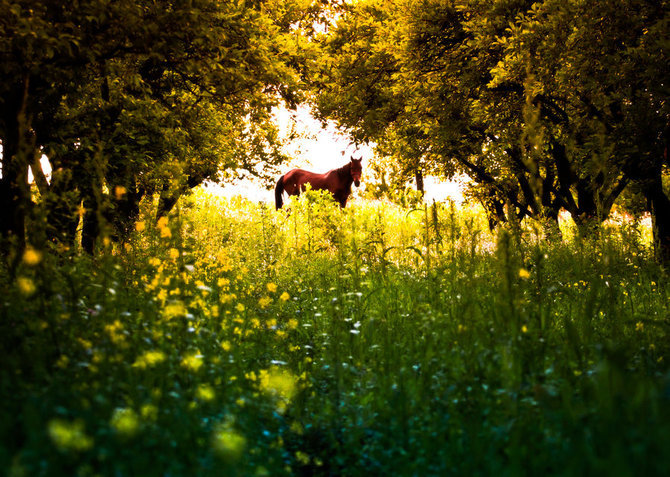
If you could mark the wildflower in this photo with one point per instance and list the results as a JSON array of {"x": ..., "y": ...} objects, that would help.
[
  {"x": 279, "y": 383},
  {"x": 63, "y": 361},
  {"x": 149, "y": 412},
  {"x": 174, "y": 309},
  {"x": 292, "y": 324},
  {"x": 523, "y": 273},
  {"x": 302, "y": 457},
  {"x": 240, "y": 307},
  {"x": 149, "y": 359},
  {"x": 524, "y": 329},
  {"x": 119, "y": 192},
  {"x": 162, "y": 222},
  {"x": 140, "y": 226},
  {"x": 264, "y": 302},
  {"x": 227, "y": 443},
  {"x": 125, "y": 422},
  {"x": 226, "y": 346},
  {"x": 271, "y": 287},
  {"x": 205, "y": 392},
  {"x": 174, "y": 253},
  {"x": 26, "y": 286},
  {"x": 284, "y": 296},
  {"x": 115, "y": 331},
  {"x": 32, "y": 257},
  {"x": 639, "y": 326},
  {"x": 192, "y": 361},
  {"x": 69, "y": 436}
]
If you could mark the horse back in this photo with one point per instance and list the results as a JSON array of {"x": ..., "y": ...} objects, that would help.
[{"x": 295, "y": 180}]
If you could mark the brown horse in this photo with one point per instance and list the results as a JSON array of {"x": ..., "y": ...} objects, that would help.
[{"x": 337, "y": 181}]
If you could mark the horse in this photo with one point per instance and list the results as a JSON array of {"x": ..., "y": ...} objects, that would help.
[{"x": 337, "y": 182}]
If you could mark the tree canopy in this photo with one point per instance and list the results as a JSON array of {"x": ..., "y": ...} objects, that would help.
[
  {"x": 545, "y": 105},
  {"x": 128, "y": 97}
]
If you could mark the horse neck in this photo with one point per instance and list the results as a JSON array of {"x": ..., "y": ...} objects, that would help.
[{"x": 344, "y": 173}]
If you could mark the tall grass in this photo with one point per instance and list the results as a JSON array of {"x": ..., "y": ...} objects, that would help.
[{"x": 232, "y": 339}]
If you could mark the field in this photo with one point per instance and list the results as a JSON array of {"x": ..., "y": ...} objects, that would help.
[{"x": 231, "y": 339}]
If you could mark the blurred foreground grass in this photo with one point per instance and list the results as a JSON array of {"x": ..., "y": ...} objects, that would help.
[{"x": 230, "y": 339}]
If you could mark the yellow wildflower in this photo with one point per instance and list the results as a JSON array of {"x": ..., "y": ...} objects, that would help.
[
  {"x": 227, "y": 443},
  {"x": 69, "y": 436},
  {"x": 140, "y": 226},
  {"x": 284, "y": 296},
  {"x": 125, "y": 421},
  {"x": 174, "y": 253},
  {"x": 149, "y": 412},
  {"x": 148, "y": 359},
  {"x": 639, "y": 326},
  {"x": 192, "y": 361},
  {"x": 26, "y": 286},
  {"x": 264, "y": 302},
  {"x": 205, "y": 392},
  {"x": 271, "y": 287},
  {"x": 523, "y": 273},
  {"x": 32, "y": 257},
  {"x": 119, "y": 192}
]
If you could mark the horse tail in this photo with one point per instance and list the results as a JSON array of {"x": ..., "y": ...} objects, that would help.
[{"x": 279, "y": 190}]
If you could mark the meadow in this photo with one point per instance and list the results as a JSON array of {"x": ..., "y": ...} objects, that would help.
[{"x": 232, "y": 339}]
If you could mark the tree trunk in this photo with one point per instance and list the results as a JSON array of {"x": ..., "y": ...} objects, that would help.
[
  {"x": 659, "y": 206},
  {"x": 418, "y": 175},
  {"x": 14, "y": 189}
]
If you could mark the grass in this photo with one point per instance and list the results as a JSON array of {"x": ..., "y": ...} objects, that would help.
[{"x": 235, "y": 340}]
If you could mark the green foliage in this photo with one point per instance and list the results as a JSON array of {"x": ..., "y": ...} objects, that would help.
[
  {"x": 153, "y": 97},
  {"x": 232, "y": 338},
  {"x": 546, "y": 105}
]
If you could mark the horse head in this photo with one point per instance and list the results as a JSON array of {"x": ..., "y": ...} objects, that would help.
[{"x": 356, "y": 170}]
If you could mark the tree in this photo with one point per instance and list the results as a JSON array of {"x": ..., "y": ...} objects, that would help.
[
  {"x": 545, "y": 105},
  {"x": 127, "y": 98}
]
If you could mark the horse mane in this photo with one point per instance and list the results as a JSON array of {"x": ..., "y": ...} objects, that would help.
[{"x": 344, "y": 171}]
